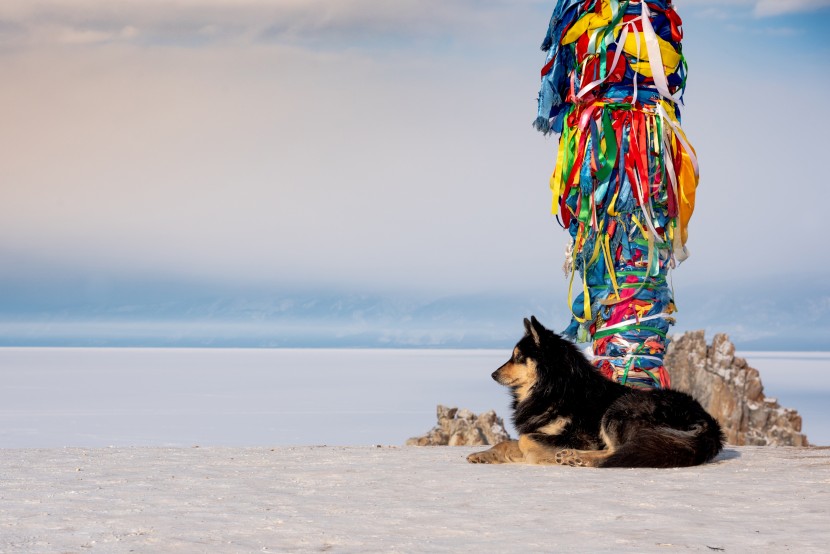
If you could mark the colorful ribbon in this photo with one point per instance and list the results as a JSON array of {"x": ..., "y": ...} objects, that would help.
[{"x": 625, "y": 175}]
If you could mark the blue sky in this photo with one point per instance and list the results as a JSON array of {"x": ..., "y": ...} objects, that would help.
[{"x": 373, "y": 145}]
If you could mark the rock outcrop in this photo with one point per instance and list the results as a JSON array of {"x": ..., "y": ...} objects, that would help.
[
  {"x": 463, "y": 428},
  {"x": 731, "y": 391}
]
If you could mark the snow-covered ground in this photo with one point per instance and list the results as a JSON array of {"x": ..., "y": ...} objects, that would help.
[
  {"x": 393, "y": 499},
  {"x": 96, "y": 397}
]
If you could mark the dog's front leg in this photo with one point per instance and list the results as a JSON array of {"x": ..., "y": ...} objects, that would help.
[
  {"x": 507, "y": 452},
  {"x": 535, "y": 452}
]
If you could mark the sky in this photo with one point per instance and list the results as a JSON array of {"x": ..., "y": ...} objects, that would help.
[{"x": 373, "y": 145}]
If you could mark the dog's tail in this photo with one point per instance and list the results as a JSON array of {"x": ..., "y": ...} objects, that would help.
[{"x": 668, "y": 447}]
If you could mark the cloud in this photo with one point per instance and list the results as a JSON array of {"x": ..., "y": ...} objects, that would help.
[
  {"x": 68, "y": 35},
  {"x": 769, "y": 8},
  {"x": 184, "y": 21},
  {"x": 716, "y": 13},
  {"x": 779, "y": 31},
  {"x": 759, "y": 8}
]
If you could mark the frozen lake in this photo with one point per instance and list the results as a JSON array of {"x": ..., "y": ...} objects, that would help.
[{"x": 92, "y": 397}]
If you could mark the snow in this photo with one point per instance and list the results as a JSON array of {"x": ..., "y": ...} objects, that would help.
[{"x": 398, "y": 499}]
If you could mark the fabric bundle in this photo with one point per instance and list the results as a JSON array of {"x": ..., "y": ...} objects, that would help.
[{"x": 625, "y": 177}]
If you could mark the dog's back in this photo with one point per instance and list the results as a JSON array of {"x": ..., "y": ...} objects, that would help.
[{"x": 662, "y": 428}]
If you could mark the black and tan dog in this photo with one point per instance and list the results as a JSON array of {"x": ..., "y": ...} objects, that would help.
[{"x": 567, "y": 413}]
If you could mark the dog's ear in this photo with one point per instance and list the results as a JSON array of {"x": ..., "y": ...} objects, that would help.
[
  {"x": 534, "y": 329},
  {"x": 527, "y": 327},
  {"x": 537, "y": 329}
]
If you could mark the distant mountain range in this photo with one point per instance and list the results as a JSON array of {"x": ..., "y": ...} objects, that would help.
[{"x": 771, "y": 314}]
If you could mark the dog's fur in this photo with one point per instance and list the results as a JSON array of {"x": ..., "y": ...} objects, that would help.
[{"x": 567, "y": 413}]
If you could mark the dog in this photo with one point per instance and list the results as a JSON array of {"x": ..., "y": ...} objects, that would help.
[{"x": 567, "y": 413}]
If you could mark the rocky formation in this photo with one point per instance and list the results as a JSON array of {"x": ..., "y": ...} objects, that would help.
[
  {"x": 463, "y": 428},
  {"x": 731, "y": 391}
]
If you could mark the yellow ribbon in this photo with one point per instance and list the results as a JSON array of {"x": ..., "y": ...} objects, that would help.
[
  {"x": 556, "y": 178},
  {"x": 588, "y": 22},
  {"x": 671, "y": 59}
]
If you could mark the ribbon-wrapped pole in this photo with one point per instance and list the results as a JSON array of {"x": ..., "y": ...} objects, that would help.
[{"x": 625, "y": 175}]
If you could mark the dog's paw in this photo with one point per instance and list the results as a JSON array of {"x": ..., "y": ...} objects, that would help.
[
  {"x": 570, "y": 458},
  {"x": 478, "y": 458},
  {"x": 485, "y": 457}
]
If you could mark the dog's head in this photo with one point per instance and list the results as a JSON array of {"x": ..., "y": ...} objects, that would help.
[{"x": 535, "y": 357}]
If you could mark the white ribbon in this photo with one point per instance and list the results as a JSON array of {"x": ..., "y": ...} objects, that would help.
[
  {"x": 663, "y": 315},
  {"x": 628, "y": 356},
  {"x": 679, "y": 251},
  {"x": 678, "y": 132},
  {"x": 655, "y": 57}
]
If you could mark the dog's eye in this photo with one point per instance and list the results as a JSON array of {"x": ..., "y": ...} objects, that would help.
[{"x": 519, "y": 359}]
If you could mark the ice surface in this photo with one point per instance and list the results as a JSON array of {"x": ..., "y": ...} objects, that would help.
[
  {"x": 798, "y": 380},
  {"x": 93, "y": 397},
  {"x": 182, "y": 397}
]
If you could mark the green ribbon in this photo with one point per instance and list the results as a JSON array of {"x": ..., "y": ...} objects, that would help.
[
  {"x": 625, "y": 328},
  {"x": 607, "y": 156}
]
